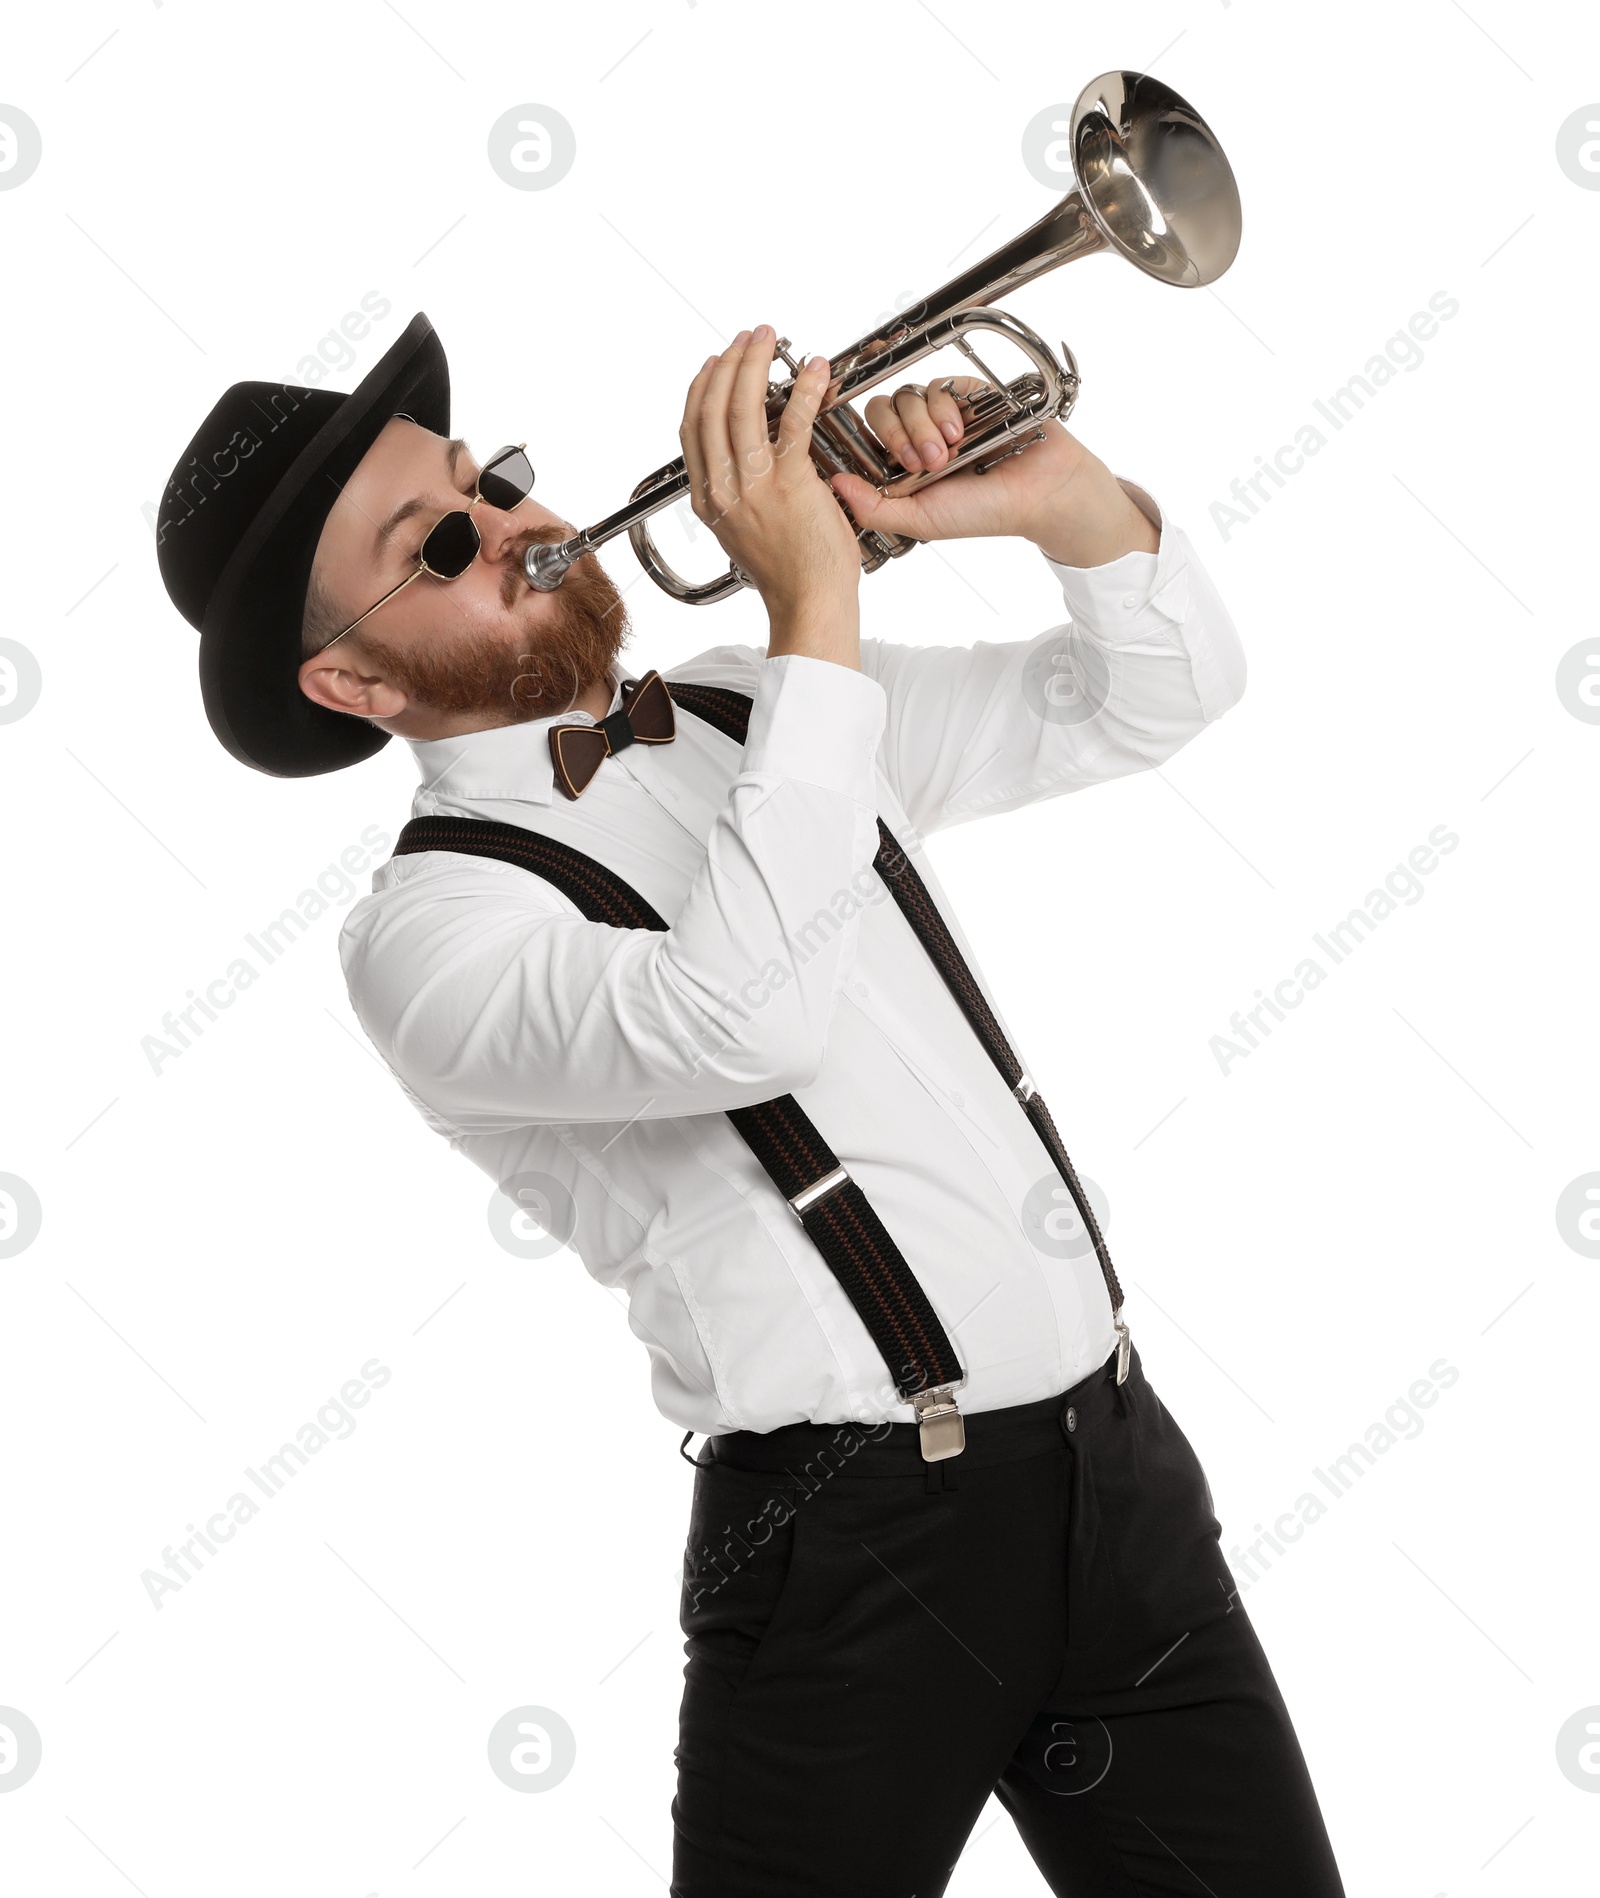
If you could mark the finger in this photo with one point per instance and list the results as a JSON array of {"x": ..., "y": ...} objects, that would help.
[
  {"x": 689, "y": 435},
  {"x": 801, "y": 409},
  {"x": 884, "y": 420},
  {"x": 944, "y": 411},
  {"x": 912, "y": 408},
  {"x": 872, "y": 509},
  {"x": 715, "y": 447},
  {"x": 747, "y": 402}
]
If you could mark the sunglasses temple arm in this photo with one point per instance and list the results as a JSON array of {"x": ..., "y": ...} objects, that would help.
[{"x": 377, "y": 603}]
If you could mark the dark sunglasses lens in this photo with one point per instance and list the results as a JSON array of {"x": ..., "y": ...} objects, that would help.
[
  {"x": 452, "y": 546},
  {"x": 507, "y": 478}
]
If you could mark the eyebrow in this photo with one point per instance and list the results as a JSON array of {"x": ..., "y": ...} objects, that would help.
[{"x": 417, "y": 502}]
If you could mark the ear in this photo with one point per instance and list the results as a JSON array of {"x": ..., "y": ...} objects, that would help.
[{"x": 339, "y": 679}]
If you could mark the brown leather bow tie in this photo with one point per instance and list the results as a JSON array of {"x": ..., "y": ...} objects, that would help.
[{"x": 646, "y": 718}]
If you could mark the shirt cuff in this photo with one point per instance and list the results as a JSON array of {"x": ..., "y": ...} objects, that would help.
[
  {"x": 1136, "y": 596},
  {"x": 818, "y": 722}
]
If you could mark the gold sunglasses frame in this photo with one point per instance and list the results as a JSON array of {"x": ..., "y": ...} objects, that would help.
[{"x": 422, "y": 566}]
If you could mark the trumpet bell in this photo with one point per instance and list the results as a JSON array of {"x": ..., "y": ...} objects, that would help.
[
  {"x": 1151, "y": 184},
  {"x": 1154, "y": 179}
]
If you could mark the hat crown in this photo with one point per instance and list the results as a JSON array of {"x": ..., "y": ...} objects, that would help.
[{"x": 237, "y": 457}]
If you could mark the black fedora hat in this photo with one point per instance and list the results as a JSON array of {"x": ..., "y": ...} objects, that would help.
[{"x": 238, "y": 530}]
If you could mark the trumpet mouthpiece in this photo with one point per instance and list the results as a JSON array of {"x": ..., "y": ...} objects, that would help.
[{"x": 546, "y": 567}]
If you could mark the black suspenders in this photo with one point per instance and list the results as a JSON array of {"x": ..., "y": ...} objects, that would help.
[{"x": 870, "y": 1267}]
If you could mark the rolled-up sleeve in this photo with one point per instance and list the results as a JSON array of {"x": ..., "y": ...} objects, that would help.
[
  {"x": 496, "y": 1003},
  {"x": 1148, "y": 658}
]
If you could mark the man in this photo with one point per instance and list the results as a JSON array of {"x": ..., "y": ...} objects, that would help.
[{"x": 901, "y": 1592}]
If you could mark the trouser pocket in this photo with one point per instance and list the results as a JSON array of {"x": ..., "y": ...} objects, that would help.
[
  {"x": 1145, "y": 1530},
  {"x": 736, "y": 1567},
  {"x": 736, "y": 1560}
]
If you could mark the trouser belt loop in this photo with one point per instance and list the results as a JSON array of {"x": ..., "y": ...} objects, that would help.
[{"x": 938, "y": 1477}]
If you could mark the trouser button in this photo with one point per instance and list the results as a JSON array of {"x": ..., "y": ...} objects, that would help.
[{"x": 1069, "y": 1419}]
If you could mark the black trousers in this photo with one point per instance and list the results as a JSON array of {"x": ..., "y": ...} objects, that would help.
[{"x": 876, "y": 1644}]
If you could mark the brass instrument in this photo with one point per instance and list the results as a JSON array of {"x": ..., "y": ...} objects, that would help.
[{"x": 1152, "y": 185}]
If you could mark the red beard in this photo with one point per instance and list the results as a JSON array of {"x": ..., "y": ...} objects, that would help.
[{"x": 478, "y": 675}]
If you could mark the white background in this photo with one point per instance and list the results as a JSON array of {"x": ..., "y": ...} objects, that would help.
[{"x": 1374, "y": 1188}]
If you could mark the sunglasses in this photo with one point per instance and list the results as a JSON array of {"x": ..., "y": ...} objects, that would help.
[{"x": 505, "y": 481}]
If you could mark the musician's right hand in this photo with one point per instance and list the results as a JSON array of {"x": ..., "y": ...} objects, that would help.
[{"x": 767, "y": 504}]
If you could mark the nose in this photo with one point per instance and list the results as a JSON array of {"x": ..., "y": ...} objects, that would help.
[{"x": 498, "y": 529}]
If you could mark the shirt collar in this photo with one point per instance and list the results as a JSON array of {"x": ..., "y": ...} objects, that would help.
[{"x": 506, "y": 762}]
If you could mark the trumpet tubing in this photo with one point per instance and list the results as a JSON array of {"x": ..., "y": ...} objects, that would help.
[{"x": 1152, "y": 185}]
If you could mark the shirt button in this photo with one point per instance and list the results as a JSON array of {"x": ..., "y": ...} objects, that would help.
[{"x": 1131, "y": 600}]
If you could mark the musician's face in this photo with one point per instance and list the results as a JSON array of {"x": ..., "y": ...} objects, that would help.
[{"x": 458, "y": 655}]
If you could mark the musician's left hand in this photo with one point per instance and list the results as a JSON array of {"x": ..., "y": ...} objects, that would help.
[{"x": 1055, "y": 493}]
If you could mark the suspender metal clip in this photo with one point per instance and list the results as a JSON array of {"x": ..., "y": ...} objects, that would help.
[
  {"x": 1124, "y": 1349},
  {"x": 807, "y": 1197},
  {"x": 939, "y": 1424}
]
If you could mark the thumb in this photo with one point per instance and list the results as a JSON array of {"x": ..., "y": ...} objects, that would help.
[{"x": 873, "y": 509}]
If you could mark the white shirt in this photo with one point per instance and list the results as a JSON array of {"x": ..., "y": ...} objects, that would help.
[{"x": 538, "y": 1042}]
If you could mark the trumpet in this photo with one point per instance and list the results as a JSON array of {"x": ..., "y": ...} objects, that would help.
[{"x": 1151, "y": 184}]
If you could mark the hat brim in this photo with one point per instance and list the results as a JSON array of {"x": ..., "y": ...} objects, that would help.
[{"x": 250, "y": 654}]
